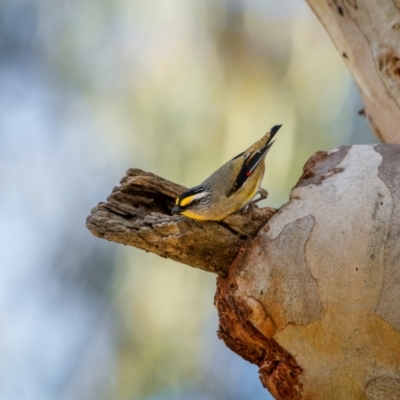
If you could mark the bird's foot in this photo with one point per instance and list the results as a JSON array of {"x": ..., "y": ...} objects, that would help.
[{"x": 249, "y": 208}]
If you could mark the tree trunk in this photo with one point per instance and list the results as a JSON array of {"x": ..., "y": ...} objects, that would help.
[
  {"x": 314, "y": 299},
  {"x": 367, "y": 35}
]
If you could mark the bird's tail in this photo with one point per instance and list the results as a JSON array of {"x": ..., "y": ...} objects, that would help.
[{"x": 265, "y": 143}]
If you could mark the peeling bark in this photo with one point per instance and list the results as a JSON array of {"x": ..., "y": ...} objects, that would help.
[{"x": 314, "y": 299}]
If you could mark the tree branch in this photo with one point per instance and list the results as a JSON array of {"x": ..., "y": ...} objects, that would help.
[{"x": 138, "y": 213}]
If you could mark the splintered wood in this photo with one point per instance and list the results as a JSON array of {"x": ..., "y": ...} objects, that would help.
[{"x": 138, "y": 213}]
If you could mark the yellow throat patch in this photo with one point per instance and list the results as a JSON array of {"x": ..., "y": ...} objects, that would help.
[{"x": 192, "y": 215}]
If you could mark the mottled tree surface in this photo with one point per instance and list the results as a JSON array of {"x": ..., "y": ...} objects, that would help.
[
  {"x": 314, "y": 299},
  {"x": 310, "y": 294}
]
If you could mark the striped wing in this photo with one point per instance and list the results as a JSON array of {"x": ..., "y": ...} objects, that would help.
[
  {"x": 250, "y": 163},
  {"x": 252, "y": 158}
]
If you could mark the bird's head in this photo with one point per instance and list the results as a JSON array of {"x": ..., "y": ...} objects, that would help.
[{"x": 194, "y": 203}]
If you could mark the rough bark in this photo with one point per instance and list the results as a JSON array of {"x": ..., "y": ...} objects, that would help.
[
  {"x": 367, "y": 35},
  {"x": 314, "y": 299},
  {"x": 138, "y": 213}
]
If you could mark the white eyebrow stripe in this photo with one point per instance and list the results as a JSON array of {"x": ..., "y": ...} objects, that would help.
[{"x": 199, "y": 196}]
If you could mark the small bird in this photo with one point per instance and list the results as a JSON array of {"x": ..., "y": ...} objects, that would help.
[{"x": 231, "y": 187}]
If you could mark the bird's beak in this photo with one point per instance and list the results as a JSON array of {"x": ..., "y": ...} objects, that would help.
[{"x": 176, "y": 210}]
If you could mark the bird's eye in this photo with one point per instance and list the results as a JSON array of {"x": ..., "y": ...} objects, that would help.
[{"x": 195, "y": 202}]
